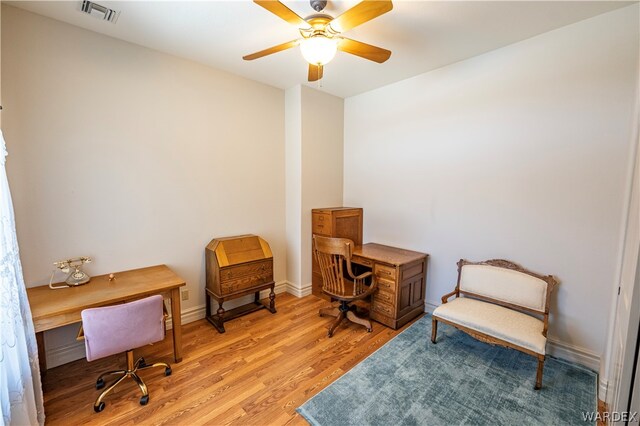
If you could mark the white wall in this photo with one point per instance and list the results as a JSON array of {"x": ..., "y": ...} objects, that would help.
[
  {"x": 132, "y": 156},
  {"x": 314, "y": 162},
  {"x": 293, "y": 160},
  {"x": 322, "y": 162},
  {"x": 520, "y": 153}
]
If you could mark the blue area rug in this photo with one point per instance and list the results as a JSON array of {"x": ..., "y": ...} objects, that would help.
[{"x": 459, "y": 380}]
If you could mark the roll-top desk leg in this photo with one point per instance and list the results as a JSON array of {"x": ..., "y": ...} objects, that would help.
[{"x": 272, "y": 300}]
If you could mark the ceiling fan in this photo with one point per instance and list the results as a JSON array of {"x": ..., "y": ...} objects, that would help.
[{"x": 322, "y": 34}]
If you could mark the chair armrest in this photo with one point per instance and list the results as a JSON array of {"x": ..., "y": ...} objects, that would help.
[
  {"x": 363, "y": 276},
  {"x": 446, "y": 297},
  {"x": 359, "y": 283}
]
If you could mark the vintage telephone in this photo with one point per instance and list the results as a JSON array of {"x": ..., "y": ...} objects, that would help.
[{"x": 73, "y": 267}]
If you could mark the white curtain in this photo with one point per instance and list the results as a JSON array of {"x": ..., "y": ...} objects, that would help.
[{"x": 20, "y": 387}]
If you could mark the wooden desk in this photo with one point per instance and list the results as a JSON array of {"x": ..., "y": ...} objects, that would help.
[
  {"x": 55, "y": 308},
  {"x": 401, "y": 276}
]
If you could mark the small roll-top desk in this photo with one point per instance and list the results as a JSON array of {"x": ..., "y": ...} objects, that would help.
[{"x": 401, "y": 274}]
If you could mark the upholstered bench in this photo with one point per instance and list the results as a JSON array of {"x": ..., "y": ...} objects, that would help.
[{"x": 499, "y": 305}]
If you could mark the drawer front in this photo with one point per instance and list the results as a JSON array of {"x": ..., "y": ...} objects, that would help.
[
  {"x": 412, "y": 271},
  {"x": 384, "y": 309},
  {"x": 361, "y": 261},
  {"x": 385, "y": 285},
  {"x": 385, "y": 272},
  {"x": 234, "y": 272},
  {"x": 384, "y": 297},
  {"x": 245, "y": 283},
  {"x": 321, "y": 224}
]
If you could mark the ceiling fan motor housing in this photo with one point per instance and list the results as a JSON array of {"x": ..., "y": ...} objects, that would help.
[{"x": 318, "y": 5}]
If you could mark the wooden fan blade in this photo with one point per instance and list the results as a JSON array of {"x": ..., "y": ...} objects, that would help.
[
  {"x": 359, "y": 14},
  {"x": 364, "y": 50},
  {"x": 315, "y": 72},
  {"x": 283, "y": 12},
  {"x": 269, "y": 51}
]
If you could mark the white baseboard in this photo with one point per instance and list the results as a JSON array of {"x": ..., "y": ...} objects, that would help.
[
  {"x": 299, "y": 292},
  {"x": 192, "y": 314},
  {"x": 603, "y": 385},
  {"x": 429, "y": 307},
  {"x": 573, "y": 353},
  {"x": 65, "y": 354},
  {"x": 75, "y": 350},
  {"x": 562, "y": 350}
]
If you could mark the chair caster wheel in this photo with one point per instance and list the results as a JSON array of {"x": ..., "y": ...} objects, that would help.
[
  {"x": 142, "y": 363},
  {"x": 369, "y": 330},
  {"x": 144, "y": 400},
  {"x": 167, "y": 371},
  {"x": 100, "y": 385},
  {"x": 99, "y": 407}
]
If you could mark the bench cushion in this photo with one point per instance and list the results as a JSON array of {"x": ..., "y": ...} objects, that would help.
[
  {"x": 505, "y": 285},
  {"x": 497, "y": 321}
]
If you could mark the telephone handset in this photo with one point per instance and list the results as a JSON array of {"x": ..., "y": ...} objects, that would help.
[{"x": 73, "y": 267}]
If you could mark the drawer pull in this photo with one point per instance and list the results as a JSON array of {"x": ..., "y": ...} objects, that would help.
[
  {"x": 382, "y": 271},
  {"x": 383, "y": 309},
  {"x": 384, "y": 284},
  {"x": 384, "y": 296}
]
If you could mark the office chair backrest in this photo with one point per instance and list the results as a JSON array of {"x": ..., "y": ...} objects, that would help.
[
  {"x": 119, "y": 328},
  {"x": 331, "y": 254}
]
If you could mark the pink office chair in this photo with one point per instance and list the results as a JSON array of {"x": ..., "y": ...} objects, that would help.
[{"x": 120, "y": 328}]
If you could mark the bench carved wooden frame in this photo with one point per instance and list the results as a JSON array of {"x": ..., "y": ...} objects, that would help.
[{"x": 551, "y": 281}]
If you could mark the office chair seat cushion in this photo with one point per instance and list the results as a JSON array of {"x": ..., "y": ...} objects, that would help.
[{"x": 115, "y": 329}]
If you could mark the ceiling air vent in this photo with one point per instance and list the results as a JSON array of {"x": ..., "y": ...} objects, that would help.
[{"x": 99, "y": 11}]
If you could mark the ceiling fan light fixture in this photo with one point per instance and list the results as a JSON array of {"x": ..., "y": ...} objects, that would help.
[{"x": 318, "y": 49}]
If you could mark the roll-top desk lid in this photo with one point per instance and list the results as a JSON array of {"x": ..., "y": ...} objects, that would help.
[{"x": 239, "y": 249}]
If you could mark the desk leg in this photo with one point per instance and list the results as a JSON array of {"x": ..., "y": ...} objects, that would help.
[
  {"x": 42, "y": 353},
  {"x": 176, "y": 324}
]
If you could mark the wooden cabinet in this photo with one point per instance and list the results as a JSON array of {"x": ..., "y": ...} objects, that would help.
[
  {"x": 341, "y": 222},
  {"x": 237, "y": 266},
  {"x": 401, "y": 276}
]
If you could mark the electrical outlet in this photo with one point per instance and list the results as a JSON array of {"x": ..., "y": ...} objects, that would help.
[{"x": 185, "y": 294}]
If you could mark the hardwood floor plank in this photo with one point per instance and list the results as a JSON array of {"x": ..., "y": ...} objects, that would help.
[{"x": 258, "y": 372}]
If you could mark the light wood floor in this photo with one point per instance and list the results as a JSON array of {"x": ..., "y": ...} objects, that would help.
[{"x": 258, "y": 372}]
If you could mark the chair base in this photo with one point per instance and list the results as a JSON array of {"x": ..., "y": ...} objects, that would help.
[
  {"x": 344, "y": 311},
  {"x": 131, "y": 372}
]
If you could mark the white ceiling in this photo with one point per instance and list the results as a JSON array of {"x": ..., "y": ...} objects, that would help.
[{"x": 423, "y": 35}]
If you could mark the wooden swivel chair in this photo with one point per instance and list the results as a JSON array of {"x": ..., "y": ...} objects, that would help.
[{"x": 332, "y": 254}]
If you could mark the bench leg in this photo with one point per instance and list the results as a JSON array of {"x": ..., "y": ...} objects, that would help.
[
  {"x": 434, "y": 329},
  {"x": 539, "y": 373}
]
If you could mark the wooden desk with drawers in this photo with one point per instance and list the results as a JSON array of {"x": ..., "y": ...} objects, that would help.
[
  {"x": 55, "y": 308},
  {"x": 401, "y": 276}
]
